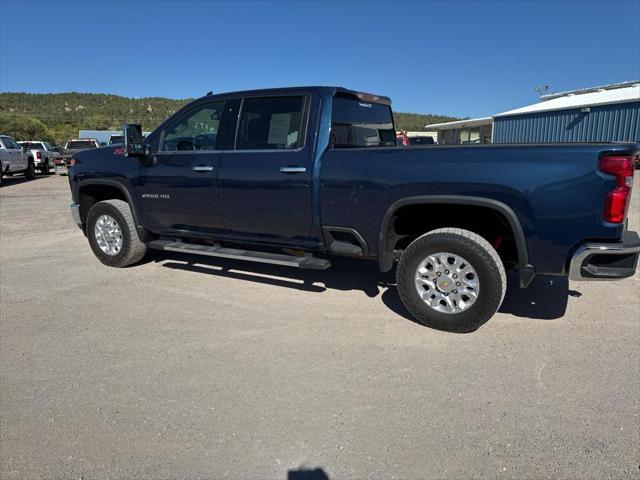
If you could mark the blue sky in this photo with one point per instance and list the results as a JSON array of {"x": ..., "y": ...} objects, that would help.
[{"x": 457, "y": 58}]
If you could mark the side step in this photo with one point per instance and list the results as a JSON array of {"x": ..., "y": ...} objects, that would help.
[{"x": 307, "y": 261}]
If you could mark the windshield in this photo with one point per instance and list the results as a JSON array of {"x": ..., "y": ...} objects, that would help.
[
  {"x": 79, "y": 144},
  {"x": 356, "y": 123},
  {"x": 116, "y": 139}
]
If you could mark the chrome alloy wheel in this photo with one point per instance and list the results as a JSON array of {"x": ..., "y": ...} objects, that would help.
[
  {"x": 108, "y": 235},
  {"x": 447, "y": 283}
]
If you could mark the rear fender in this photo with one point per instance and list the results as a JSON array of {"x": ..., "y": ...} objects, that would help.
[{"x": 385, "y": 240}]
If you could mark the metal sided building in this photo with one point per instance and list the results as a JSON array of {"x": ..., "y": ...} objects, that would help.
[
  {"x": 601, "y": 114},
  {"x": 463, "y": 132}
]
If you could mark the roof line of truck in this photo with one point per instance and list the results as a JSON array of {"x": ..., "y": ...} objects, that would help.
[{"x": 368, "y": 97}]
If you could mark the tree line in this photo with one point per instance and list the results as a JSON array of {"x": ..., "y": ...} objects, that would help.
[{"x": 57, "y": 117}]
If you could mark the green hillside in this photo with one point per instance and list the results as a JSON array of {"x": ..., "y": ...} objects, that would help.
[
  {"x": 58, "y": 116},
  {"x": 415, "y": 122}
]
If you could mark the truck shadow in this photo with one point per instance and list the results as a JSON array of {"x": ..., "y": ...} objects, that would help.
[
  {"x": 17, "y": 179},
  {"x": 307, "y": 474},
  {"x": 545, "y": 299}
]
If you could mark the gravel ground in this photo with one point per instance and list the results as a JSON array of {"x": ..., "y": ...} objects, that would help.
[{"x": 190, "y": 368}]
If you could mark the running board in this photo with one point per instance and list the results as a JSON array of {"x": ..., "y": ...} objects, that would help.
[{"x": 307, "y": 261}]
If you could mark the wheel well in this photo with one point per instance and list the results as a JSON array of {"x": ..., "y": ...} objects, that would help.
[
  {"x": 411, "y": 221},
  {"x": 92, "y": 194}
]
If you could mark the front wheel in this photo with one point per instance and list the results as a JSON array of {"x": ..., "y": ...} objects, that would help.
[
  {"x": 451, "y": 279},
  {"x": 112, "y": 234}
]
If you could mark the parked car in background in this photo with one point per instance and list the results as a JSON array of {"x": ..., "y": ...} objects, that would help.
[
  {"x": 72, "y": 147},
  {"x": 116, "y": 138},
  {"x": 43, "y": 154},
  {"x": 421, "y": 141},
  {"x": 13, "y": 159},
  {"x": 276, "y": 176}
]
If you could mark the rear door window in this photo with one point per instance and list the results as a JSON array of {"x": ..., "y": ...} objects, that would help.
[
  {"x": 272, "y": 123},
  {"x": 356, "y": 123}
]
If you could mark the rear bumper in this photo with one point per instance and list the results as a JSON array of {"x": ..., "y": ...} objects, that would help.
[
  {"x": 606, "y": 261},
  {"x": 75, "y": 213}
]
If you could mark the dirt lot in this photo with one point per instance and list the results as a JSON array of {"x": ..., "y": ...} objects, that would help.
[{"x": 185, "y": 368}]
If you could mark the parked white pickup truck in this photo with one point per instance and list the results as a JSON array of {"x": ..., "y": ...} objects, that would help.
[
  {"x": 42, "y": 153},
  {"x": 71, "y": 147},
  {"x": 13, "y": 160}
]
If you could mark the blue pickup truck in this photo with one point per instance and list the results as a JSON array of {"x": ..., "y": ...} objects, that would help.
[{"x": 294, "y": 176}]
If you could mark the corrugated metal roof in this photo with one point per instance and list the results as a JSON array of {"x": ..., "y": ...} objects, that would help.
[
  {"x": 470, "y": 122},
  {"x": 610, "y": 86},
  {"x": 600, "y": 97}
]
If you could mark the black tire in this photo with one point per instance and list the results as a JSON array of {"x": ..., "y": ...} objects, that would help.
[
  {"x": 30, "y": 172},
  {"x": 479, "y": 253},
  {"x": 133, "y": 249},
  {"x": 45, "y": 168}
]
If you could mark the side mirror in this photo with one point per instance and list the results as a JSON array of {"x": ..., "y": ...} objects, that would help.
[{"x": 133, "y": 140}]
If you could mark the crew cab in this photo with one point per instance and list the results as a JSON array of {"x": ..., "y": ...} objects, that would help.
[
  {"x": 296, "y": 176},
  {"x": 42, "y": 154},
  {"x": 13, "y": 159},
  {"x": 71, "y": 147}
]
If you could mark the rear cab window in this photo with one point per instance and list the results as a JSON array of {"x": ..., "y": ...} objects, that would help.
[
  {"x": 31, "y": 145},
  {"x": 358, "y": 123},
  {"x": 79, "y": 144}
]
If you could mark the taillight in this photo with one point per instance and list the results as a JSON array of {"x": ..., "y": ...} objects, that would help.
[
  {"x": 617, "y": 201},
  {"x": 39, "y": 155}
]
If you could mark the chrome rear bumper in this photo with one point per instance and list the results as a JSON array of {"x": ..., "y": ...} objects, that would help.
[{"x": 606, "y": 261}]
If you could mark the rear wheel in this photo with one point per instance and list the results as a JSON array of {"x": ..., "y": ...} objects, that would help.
[
  {"x": 44, "y": 170},
  {"x": 30, "y": 172},
  {"x": 112, "y": 234},
  {"x": 451, "y": 279}
]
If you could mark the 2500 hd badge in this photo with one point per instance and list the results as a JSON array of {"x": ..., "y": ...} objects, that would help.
[{"x": 156, "y": 195}]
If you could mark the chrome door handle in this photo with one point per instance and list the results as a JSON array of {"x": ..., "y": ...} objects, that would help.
[
  {"x": 202, "y": 168},
  {"x": 293, "y": 169}
]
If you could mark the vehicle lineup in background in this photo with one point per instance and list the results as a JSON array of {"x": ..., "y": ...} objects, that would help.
[
  {"x": 295, "y": 176},
  {"x": 13, "y": 159},
  {"x": 42, "y": 154}
]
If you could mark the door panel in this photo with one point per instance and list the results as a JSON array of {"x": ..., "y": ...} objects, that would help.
[
  {"x": 178, "y": 191},
  {"x": 177, "y": 184},
  {"x": 265, "y": 184},
  {"x": 258, "y": 198},
  {"x": 19, "y": 160}
]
